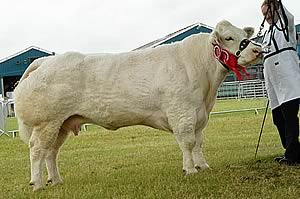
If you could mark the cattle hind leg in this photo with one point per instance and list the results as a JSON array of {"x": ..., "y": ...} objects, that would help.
[
  {"x": 51, "y": 159},
  {"x": 42, "y": 139}
]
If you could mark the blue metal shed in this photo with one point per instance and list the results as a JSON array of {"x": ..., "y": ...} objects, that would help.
[{"x": 12, "y": 67}]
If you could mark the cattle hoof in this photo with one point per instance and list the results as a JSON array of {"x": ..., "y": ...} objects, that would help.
[
  {"x": 49, "y": 182},
  {"x": 57, "y": 182},
  {"x": 187, "y": 172},
  {"x": 54, "y": 182},
  {"x": 202, "y": 167},
  {"x": 37, "y": 188}
]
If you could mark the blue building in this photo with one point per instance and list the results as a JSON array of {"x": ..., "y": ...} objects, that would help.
[{"x": 12, "y": 67}]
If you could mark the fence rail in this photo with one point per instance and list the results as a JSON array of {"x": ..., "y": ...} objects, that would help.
[{"x": 242, "y": 89}]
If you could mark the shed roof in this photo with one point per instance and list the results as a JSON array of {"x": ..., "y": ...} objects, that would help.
[
  {"x": 25, "y": 50},
  {"x": 172, "y": 35}
]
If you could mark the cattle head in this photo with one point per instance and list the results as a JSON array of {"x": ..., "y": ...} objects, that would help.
[{"x": 236, "y": 41}]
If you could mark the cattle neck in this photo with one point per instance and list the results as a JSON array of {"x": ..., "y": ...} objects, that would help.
[{"x": 230, "y": 61}]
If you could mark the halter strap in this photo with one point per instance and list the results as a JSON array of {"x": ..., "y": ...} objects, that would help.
[{"x": 229, "y": 61}]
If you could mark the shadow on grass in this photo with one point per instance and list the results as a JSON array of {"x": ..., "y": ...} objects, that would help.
[{"x": 262, "y": 169}]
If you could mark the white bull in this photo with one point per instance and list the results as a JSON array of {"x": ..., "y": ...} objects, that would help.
[{"x": 171, "y": 87}]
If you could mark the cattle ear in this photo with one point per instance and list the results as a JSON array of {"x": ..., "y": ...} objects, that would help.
[
  {"x": 249, "y": 31},
  {"x": 214, "y": 37}
]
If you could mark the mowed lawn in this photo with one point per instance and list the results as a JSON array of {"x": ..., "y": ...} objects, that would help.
[{"x": 141, "y": 162}]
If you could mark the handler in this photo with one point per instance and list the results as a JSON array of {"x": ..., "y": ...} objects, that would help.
[{"x": 282, "y": 76}]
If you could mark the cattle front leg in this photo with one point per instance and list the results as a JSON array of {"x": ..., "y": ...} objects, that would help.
[
  {"x": 185, "y": 136},
  {"x": 183, "y": 126},
  {"x": 51, "y": 159},
  {"x": 186, "y": 141},
  {"x": 199, "y": 161}
]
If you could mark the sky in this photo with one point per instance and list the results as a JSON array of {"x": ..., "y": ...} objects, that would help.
[{"x": 113, "y": 26}]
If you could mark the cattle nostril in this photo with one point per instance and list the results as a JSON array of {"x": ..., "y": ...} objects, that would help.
[{"x": 257, "y": 50}]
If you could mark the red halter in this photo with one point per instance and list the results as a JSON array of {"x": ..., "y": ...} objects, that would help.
[{"x": 229, "y": 60}]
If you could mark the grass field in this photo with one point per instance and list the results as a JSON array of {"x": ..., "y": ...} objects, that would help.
[{"x": 141, "y": 162}]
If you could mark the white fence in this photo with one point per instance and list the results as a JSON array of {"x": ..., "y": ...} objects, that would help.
[
  {"x": 6, "y": 110},
  {"x": 242, "y": 89}
]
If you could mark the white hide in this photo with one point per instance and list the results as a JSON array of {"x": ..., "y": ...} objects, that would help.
[{"x": 171, "y": 87}]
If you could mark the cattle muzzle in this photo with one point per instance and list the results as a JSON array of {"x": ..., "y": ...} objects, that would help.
[
  {"x": 243, "y": 45},
  {"x": 257, "y": 50}
]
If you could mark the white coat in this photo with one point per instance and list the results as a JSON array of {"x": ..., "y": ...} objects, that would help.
[{"x": 281, "y": 70}]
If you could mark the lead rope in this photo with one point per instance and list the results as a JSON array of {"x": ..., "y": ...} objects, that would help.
[{"x": 283, "y": 22}]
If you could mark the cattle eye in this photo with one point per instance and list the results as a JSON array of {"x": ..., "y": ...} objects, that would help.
[{"x": 229, "y": 39}]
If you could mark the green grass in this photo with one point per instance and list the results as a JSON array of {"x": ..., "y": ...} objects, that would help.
[{"x": 141, "y": 162}]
